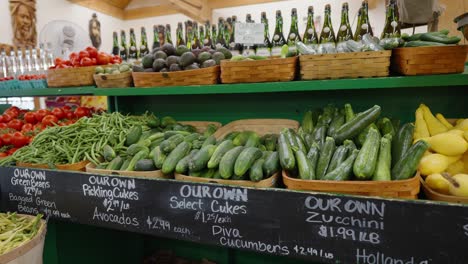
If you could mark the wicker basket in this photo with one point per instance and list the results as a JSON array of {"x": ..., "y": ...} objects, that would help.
[
  {"x": 345, "y": 65},
  {"x": 436, "y": 196},
  {"x": 265, "y": 183},
  {"x": 201, "y": 125},
  {"x": 91, "y": 168},
  {"x": 203, "y": 76},
  {"x": 79, "y": 166},
  {"x": 406, "y": 189},
  {"x": 270, "y": 70},
  {"x": 259, "y": 126},
  {"x": 121, "y": 80},
  {"x": 429, "y": 60},
  {"x": 80, "y": 76}
]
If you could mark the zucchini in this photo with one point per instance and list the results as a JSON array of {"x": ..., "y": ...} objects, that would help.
[
  {"x": 253, "y": 140},
  {"x": 366, "y": 161},
  {"x": 396, "y": 125},
  {"x": 327, "y": 115},
  {"x": 183, "y": 164},
  {"x": 271, "y": 164},
  {"x": 175, "y": 156},
  {"x": 415, "y": 37},
  {"x": 158, "y": 157},
  {"x": 313, "y": 156},
  {"x": 139, "y": 156},
  {"x": 171, "y": 143},
  {"x": 440, "y": 38},
  {"x": 337, "y": 122},
  {"x": 245, "y": 160},
  {"x": 386, "y": 127},
  {"x": 218, "y": 154},
  {"x": 108, "y": 153},
  {"x": 145, "y": 165},
  {"x": 133, "y": 135},
  {"x": 256, "y": 171},
  {"x": 115, "y": 164},
  {"x": 419, "y": 43},
  {"x": 357, "y": 124},
  {"x": 349, "y": 113},
  {"x": 286, "y": 155},
  {"x": 402, "y": 142},
  {"x": 270, "y": 141},
  {"x": 307, "y": 122},
  {"x": 135, "y": 148},
  {"x": 343, "y": 171},
  {"x": 226, "y": 165},
  {"x": 340, "y": 155},
  {"x": 363, "y": 135},
  {"x": 407, "y": 165},
  {"x": 210, "y": 140},
  {"x": 304, "y": 166},
  {"x": 350, "y": 146},
  {"x": 308, "y": 140},
  {"x": 242, "y": 138},
  {"x": 319, "y": 134},
  {"x": 384, "y": 161},
  {"x": 300, "y": 141},
  {"x": 199, "y": 161},
  {"x": 210, "y": 130},
  {"x": 231, "y": 135},
  {"x": 325, "y": 157}
]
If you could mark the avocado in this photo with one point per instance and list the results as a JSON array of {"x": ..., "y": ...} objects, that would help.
[
  {"x": 204, "y": 56},
  {"x": 149, "y": 70},
  {"x": 218, "y": 56},
  {"x": 147, "y": 61},
  {"x": 181, "y": 50},
  {"x": 186, "y": 59},
  {"x": 174, "y": 67},
  {"x": 168, "y": 49},
  {"x": 155, "y": 50},
  {"x": 164, "y": 70},
  {"x": 196, "y": 52},
  {"x": 124, "y": 68},
  {"x": 208, "y": 63},
  {"x": 206, "y": 48},
  {"x": 193, "y": 66},
  {"x": 159, "y": 64},
  {"x": 172, "y": 60},
  {"x": 138, "y": 68},
  {"x": 226, "y": 52},
  {"x": 160, "y": 55}
]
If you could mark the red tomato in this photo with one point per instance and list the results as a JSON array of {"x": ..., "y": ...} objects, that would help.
[
  {"x": 58, "y": 61},
  {"x": 83, "y": 54},
  {"x": 81, "y": 112},
  {"x": 16, "y": 124},
  {"x": 117, "y": 58},
  {"x": 40, "y": 114},
  {"x": 69, "y": 115},
  {"x": 66, "y": 108},
  {"x": 19, "y": 140},
  {"x": 6, "y": 138},
  {"x": 86, "y": 62},
  {"x": 30, "y": 117},
  {"x": 62, "y": 66},
  {"x": 94, "y": 61},
  {"x": 75, "y": 61},
  {"x": 3, "y": 154},
  {"x": 58, "y": 112},
  {"x": 74, "y": 55},
  {"x": 7, "y": 118},
  {"x": 27, "y": 127},
  {"x": 3, "y": 125},
  {"x": 38, "y": 127},
  {"x": 103, "y": 58},
  {"x": 11, "y": 151},
  {"x": 1, "y": 119},
  {"x": 49, "y": 120},
  {"x": 93, "y": 52}
]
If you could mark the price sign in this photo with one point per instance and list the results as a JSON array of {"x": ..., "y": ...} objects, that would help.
[{"x": 249, "y": 33}]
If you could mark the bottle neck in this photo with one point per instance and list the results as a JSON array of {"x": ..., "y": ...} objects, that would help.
[
  {"x": 327, "y": 20},
  {"x": 293, "y": 24},
  {"x": 344, "y": 17},
  {"x": 123, "y": 41},
  {"x": 310, "y": 20},
  {"x": 116, "y": 41},
  {"x": 143, "y": 38},
  {"x": 279, "y": 25}
]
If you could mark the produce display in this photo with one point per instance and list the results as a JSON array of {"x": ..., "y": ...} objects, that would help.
[
  {"x": 439, "y": 38},
  {"x": 88, "y": 57},
  {"x": 113, "y": 69},
  {"x": 169, "y": 58},
  {"x": 17, "y": 230},
  {"x": 27, "y": 81},
  {"x": 448, "y": 152},
  {"x": 168, "y": 257}
]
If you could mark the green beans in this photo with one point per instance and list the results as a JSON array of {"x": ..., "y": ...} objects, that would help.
[{"x": 15, "y": 230}]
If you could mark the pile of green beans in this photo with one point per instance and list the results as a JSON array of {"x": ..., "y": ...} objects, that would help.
[
  {"x": 16, "y": 230},
  {"x": 83, "y": 140}
]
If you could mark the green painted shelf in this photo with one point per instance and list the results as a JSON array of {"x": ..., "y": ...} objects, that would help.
[{"x": 83, "y": 90}]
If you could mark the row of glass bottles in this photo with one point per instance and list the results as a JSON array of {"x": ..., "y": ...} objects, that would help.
[{"x": 26, "y": 61}]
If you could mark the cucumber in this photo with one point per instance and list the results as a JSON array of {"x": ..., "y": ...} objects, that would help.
[
  {"x": 108, "y": 153},
  {"x": 101, "y": 166},
  {"x": 402, "y": 142},
  {"x": 158, "y": 157},
  {"x": 183, "y": 164},
  {"x": 125, "y": 164},
  {"x": 115, "y": 164},
  {"x": 349, "y": 113},
  {"x": 407, "y": 165},
  {"x": 197, "y": 144},
  {"x": 156, "y": 136},
  {"x": 366, "y": 161},
  {"x": 232, "y": 135},
  {"x": 192, "y": 137},
  {"x": 440, "y": 38},
  {"x": 175, "y": 156},
  {"x": 271, "y": 164},
  {"x": 171, "y": 143},
  {"x": 152, "y": 121},
  {"x": 304, "y": 166},
  {"x": 135, "y": 148},
  {"x": 195, "y": 173},
  {"x": 340, "y": 155},
  {"x": 386, "y": 127},
  {"x": 384, "y": 161},
  {"x": 199, "y": 161},
  {"x": 343, "y": 171},
  {"x": 252, "y": 141},
  {"x": 169, "y": 134},
  {"x": 319, "y": 134},
  {"x": 156, "y": 143},
  {"x": 270, "y": 141},
  {"x": 415, "y": 37},
  {"x": 307, "y": 123},
  {"x": 292, "y": 139},
  {"x": 133, "y": 135},
  {"x": 357, "y": 124},
  {"x": 419, "y": 43},
  {"x": 313, "y": 156},
  {"x": 217, "y": 175},
  {"x": 226, "y": 165},
  {"x": 325, "y": 157},
  {"x": 167, "y": 121},
  {"x": 218, "y": 154},
  {"x": 208, "y": 173},
  {"x": 139, "y": 156},
  {"x": 245, "y": 160},
  {"x": 210, "y": 130},
  {"x": 300, "y": 141},
  {"x": 241, "y": 138},
  {"x": 256, "y": 171},
  {"x": 337, "y": 122},
  {"x": 286, "y": 155},
  {"x": 145, "y": 165},
  {"x": 210, "y": 140}
]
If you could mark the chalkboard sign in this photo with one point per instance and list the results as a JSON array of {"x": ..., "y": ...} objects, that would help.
[{"x": 321, "y": 227}]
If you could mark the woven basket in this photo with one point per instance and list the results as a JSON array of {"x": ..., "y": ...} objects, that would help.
[
  {"x": 201, "y": 125},
  {"x": 345, "y": 65},
  {"x": 270, "y": 70},
  {"x": 429, "y": 60},
  {"x": 259, "y": 126},
  {"x": 68, "y": 77},
  {"x": 79, "y": 166},
  {"x": 265, "y": 183},
  {"x": 203, "y": 76},
  {"x": 121, "y": 80},
  {"x": 91, "y": 168},
  {"x": 436, "y": 196},
  {"x": 406, "y": 189}
]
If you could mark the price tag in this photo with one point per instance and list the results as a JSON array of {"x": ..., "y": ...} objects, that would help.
[{"x": 249, "y": 33}]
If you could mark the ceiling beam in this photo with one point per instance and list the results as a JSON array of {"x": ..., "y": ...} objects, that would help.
[
  {"x": 215, "y": 4},
  {"x": 101, "y": 6},
  {"x": 151, "y": 11},
  {"x": 201, "y": 13}
]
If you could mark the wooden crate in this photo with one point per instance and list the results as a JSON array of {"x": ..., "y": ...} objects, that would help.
[
  {"x": 270, "y": 70},
  {"x": 79, "y": 166},
  {"x": 68, "y": 77},
  {"x": 406, "y": 189},
  {"x": 120, "y": 80},
  {"x": 259, "y": 126},
  {"x": 436, "y": 196},
  {"x": 265, "y": 183},
  {"x": 202, "y": 76},
  {"x": 429, "y": 60},
  {"x": 345, "y": 65},
  {"x": 201, "y": 125},
  {"x": 91, "y": 168}
]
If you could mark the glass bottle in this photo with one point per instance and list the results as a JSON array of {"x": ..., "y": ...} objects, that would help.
[
  {"x": 214, "y": 36},
  {"x": 265, "y": 48},
  {"x": 132, "y": 52},
  {"x": 327, "y": 35},
  {"x": 3, "y": 64},
  {"x": 310, "y": 34},
  {"x": 207, "y": 41},
  {"x": 293, "y": 36},
  {"x": 201, "y": 30},
  {"x": 168, "y": 36},
  {"x": 28, "y": 61},
  {"x": 278, "y": 38},
  {"x": 144, "y": 43},
  {"x": 392, "y": 28},
  {"x": 364, "y": 26},
  {"x": 13, "y": 66},
  {"x": 162, "y": 35},
  {"x": 248, "y": 49},
  {"x": 196, "y": 44},
  {"x": 220, "y": 41},
  {"x": 36, "y": 61},
  {"x": 344, "y": 32},
  {"x": 49, "y": 55},
  {"x": 115, "y": 43},
  {"x": 123, "y": 46},
  {"x": 180, "y": 35},
  {"x": 43, "y": 58},
  {"x": 156, "y": 43},
  {"x": 189, "y": 37}
]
